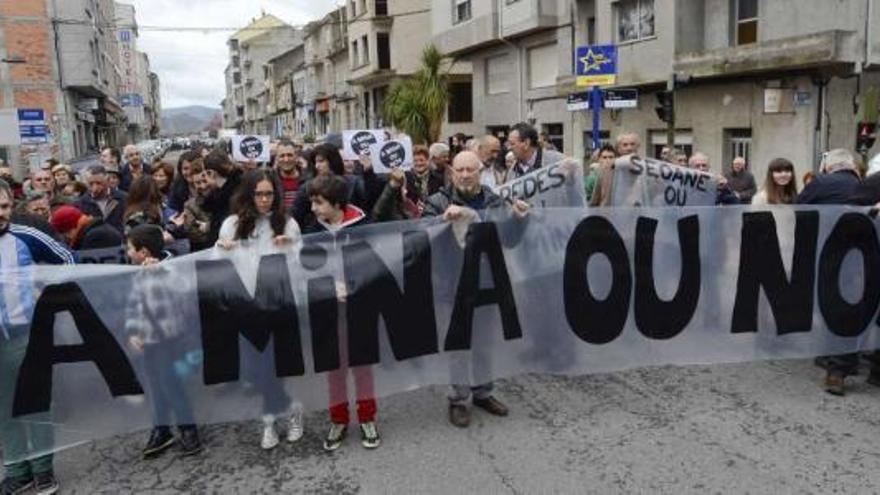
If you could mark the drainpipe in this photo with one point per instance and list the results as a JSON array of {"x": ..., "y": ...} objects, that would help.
[
  {"x": 519, "y": 64},
  {"x": 869, "y": 38}
]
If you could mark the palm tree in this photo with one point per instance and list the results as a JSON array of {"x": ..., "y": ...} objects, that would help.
[{"x": 417, "y": 105}]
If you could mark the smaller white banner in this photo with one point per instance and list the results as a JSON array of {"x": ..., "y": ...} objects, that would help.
[
  {"x": 393, "y": 154},
  {"x": 649, "y": 182},
  {"x": 247, "y": 148},
  {"x": 355, "y": 142}
]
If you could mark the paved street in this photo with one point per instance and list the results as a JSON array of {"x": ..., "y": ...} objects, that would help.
[{"x": 755, "y": 427}]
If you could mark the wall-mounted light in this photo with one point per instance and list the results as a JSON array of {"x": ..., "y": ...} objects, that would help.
[{"x": 14, "y": 59}]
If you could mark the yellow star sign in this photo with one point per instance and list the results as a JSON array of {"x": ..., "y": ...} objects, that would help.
[{"x": 593, "y": 61}]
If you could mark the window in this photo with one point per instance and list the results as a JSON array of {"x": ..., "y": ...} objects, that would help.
[
  {"x": 499, "y": 131},
  {"x": 684, "y": 141},
  {"x": 738, "y": 143},
  {"x": 355, "y": 58},
  {"x": 236, "y": 77},
  {"x": 352, "y": 8},
  {"x": 383, "y": 45},
  {"x": 591, "y": 31},
  {"x": 543, "y": 66},
  {"x": 635, "y": 20},
  {"x": 365, "y": 49},
  {"x": 461, "y": 102},
  {"x": 498, "y": 75},
  {"x": 461, "y": 11},
  {"x": 746, "y": 21},
  {"x": 555, "y": 134},
  {"x": 381, "y": 7}
]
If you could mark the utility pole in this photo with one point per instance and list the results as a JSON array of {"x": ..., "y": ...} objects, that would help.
[{"x": 670, "y": 104}]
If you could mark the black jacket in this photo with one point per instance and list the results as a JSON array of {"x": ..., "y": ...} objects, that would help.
[
  {"x": 125, "y": 177},
  {"x": 116, "y": 209},
  {"x": 218, "y": 203},
  {"x": 352, "y": 217},
  {"x": 99, "y": 235},
  {"x": 837, "y": 188}
]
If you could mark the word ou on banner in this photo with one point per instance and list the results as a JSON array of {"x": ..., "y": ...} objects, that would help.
[{"x": 563, "y": 291}]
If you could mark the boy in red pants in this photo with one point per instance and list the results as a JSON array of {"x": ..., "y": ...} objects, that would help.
[{"x": 329, "y": 197}]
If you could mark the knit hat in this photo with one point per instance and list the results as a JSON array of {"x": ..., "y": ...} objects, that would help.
[{"x": 66, "y": 219}]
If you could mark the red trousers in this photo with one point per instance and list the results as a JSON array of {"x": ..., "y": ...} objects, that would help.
[{"x": 337, "y": 381}]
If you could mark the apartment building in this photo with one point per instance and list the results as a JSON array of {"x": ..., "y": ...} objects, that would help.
[
  {"x": 136, "y": 87},
  {"x": 63, "y": 66},
  {"x": 757, "y": 78},
  {"x": 249, "y": 50},
  {"x": 386, "y": 40},
  {"x": 280, "y": 90},
  {"x": 517, "y": 50},
  {"x": 330, "y": 100}
]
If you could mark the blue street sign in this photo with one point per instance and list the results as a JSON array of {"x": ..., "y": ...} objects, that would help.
[
  {"x": 31, "y": 115},
  {"x": 596, "y": 65}
]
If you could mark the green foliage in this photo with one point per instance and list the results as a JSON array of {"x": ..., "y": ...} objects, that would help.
[{"x": 417, "y": 105}]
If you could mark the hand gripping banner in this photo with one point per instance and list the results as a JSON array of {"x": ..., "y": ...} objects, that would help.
[{"x": 226, "y": 336}]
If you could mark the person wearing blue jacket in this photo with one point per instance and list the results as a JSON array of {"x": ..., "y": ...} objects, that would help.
[{"x": 20, "y": 247}]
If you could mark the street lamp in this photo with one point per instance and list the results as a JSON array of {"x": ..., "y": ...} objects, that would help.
[{"x": 14, "y": 59}]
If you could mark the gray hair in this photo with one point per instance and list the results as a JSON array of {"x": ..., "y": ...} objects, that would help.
[
  {"x": 438, "y": 149},
  {"x": 838, "y": 159}
]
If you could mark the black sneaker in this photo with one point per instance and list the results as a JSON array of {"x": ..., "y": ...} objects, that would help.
[
  {"x": 161, "y": 440},
  {"x": 16, "y": 486},
  {"x": 335, "y": 437},
  {"x": 45, "y": 483},
  {"x": 189, "y": 441}
]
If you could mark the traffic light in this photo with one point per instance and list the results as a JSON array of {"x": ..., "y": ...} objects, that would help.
[
  {"x": 865, "y": 137},
  {"x": 665, "y": 106}
]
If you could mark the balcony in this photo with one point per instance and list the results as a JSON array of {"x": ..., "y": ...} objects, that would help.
[{"x": 823, "y": 49}]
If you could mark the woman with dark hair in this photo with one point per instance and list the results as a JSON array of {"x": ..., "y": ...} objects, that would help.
[
  {"x": 183, "y": 188},
  {"x": 143, "y": 204},
  {"x": 221, "y": 181},
  {"x": 326, "y": 160},
  {"x": 163, "y": 175},
  {"x": 258, "y": 220},
  {"x": 780, "y": 186}
]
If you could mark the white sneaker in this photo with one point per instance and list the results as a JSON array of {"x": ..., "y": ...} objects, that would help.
[
  {"x": 270, "y": 436},
  {"x": 295, "y": 427}
]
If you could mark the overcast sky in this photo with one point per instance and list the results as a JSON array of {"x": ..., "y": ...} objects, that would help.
[{"x": 190, "y": 63}]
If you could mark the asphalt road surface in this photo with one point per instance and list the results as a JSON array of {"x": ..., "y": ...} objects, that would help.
[{"x": 746, "y": 428}]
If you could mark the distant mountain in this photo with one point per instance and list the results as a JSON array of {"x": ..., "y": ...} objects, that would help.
[{"x": 187, "y": 120}]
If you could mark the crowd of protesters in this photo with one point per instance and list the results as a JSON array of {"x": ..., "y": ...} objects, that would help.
[{"x": 213, "y": 202}]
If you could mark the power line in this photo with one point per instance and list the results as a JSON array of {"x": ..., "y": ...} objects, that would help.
[{"x": 207, "y": 29}]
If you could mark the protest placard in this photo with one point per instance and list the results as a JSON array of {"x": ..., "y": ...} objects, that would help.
[
  {"x": 355, "y": 142},
  {"x": 247, "y": 148},
  {"x": 393, "y": 154}
]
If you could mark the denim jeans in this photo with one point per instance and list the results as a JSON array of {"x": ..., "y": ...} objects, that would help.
[{"x": 17, "y": 434}]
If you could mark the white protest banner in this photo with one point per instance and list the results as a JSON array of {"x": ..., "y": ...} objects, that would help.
[
  {"x": 389, "y": 155},
  {"x": 246, "y": 148},
  {"x": 649, "y": 182},
  {"x": 355, "y": 142},
  {"x": 557, "y": 185},
  {"x": 251, "y": 332}
]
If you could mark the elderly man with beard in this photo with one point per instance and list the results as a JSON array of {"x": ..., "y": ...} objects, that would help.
[
  {"x": 460, "y": 201},
  {"x": 21, "y": 247}
]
